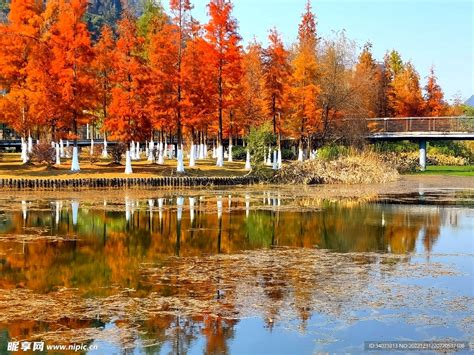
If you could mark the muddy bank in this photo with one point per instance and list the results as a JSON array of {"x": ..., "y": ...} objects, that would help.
[{"x": 405, "y": 185}]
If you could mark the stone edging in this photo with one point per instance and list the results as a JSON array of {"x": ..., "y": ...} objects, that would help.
[{"x": 77, "y": 183}]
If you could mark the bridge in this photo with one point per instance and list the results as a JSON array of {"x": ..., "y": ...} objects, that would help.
[{"x": 421, "y": 130}]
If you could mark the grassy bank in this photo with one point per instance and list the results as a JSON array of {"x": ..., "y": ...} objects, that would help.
[
  {"x": 467, "y": 170},
  {"x": 11, "y": 167}
]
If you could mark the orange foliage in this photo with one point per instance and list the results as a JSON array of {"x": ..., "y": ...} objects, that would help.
[
  {"x": 434, "y": 97},
  {"x": 164, "y": 54},
  {"x": 252, "y": 107},
  {"x": 128, "y": 117},
  {"x": 366, "y": 83},
  {"x": 19, "y": 44},
  {"x": 187, "y": 76},
  {"x": 199, "y": 95},
  {"x": 103, "y": 70},
  {"x": 70, "y": 45},
  {"x": 405, "y": 95},
  {"x": 277, "y": 75},
  {"x": 224, "y": 56},
  {"x": 304, "y": 90}
]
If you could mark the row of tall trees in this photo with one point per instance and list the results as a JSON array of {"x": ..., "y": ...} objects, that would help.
[{"x": 165, "y": 74}]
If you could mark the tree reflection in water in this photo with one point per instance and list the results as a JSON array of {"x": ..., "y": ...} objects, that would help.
[{"x": 49, "y": 244}]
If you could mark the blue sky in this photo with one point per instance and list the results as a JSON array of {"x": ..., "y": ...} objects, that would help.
[{"x": 434, "y": 32}]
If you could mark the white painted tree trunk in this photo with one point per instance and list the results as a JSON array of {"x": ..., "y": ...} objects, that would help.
[
  {"x": 269, "y": 159},
  {"x": 30, "y": 144},
  {"x": 219, "y": 207},
  {"x": 275, "y": 163},
  {"x": 220, "y": 156},
  {"x": 104, "y": 150},
  {"x": 247, "y": 205},
  {"x": 24, "y": 151},
  {"x": 128, "y": 163},
  {"x": 151, "y": 147},
  {"x": 75, "y": 160},
  {"x": 87, "y": 131},
  {"x": 230, "y": 159},
  {"x": 161, "y": 158},
  {"x": 92, "y": 147},
  {"x": 205, "y": 151},
  {"x": 58, "y": 211},
  {"x": 24, "y": 209},
  {"x": 61, "y": 148},
  {"x": 180, "y": 165},
  {"x": 279, "y": 163},
  {"x": 201, "y": 152},
  {"x": 53, "y": 145},
  {"x": 160, "y": 208},
  {"x": 75, "y": 211},
  {"x": 164, "y": 150},
  {"x": 192, "y": 163},
  {"x": 191, "y": 208},
  {"x": 58, "y": 159},
  {"x": 127, "y": 208},
  {"x": 247, "y": 161},
  {"x": 300, "y": 154},
  {"x": 137, "y": 151},
  {"x": 132, "y": 150},
  {"x": 179, "y": 204}
]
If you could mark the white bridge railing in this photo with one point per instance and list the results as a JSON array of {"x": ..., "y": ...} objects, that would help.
[{"x": 421, "y": 124}]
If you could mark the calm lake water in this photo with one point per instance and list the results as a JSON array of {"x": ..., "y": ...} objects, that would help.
[{"x": 235, "y": 271}]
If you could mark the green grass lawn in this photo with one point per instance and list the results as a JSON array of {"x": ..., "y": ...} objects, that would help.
[{"x": 449, "y": 170}]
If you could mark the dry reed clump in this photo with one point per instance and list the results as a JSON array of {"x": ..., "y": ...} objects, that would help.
[
  {"x": 402, "y": 162},
  {"x": 409, "y": 162},
  {"x": 365, "y": 168},
  {"x": 447, "y": 160}
]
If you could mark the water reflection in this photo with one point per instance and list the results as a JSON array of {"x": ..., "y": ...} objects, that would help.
[
  {"x": 117, "y": 242},
  {"x": 101, "y": 248}
]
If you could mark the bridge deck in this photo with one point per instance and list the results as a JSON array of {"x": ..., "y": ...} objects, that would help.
[{"x": 429, "y": 128}]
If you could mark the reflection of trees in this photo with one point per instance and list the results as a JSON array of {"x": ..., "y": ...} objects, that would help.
[{"x": 110, "y": 250}]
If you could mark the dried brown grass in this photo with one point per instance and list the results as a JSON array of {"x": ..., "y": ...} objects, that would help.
[{"x": 364, "y": 168}]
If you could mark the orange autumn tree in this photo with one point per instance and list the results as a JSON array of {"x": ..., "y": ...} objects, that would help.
[
  {"x": 252, "y": 110},
  {"x": 20, "y": 42},
  {"x": 128, "y": 118},
  {"x": 200, "y": 107},
  {"x": 166, "y": 52},
  {"x": 434, "y": 97},
  {"x": 365, "y": 82},
  {"x": 277, "y": 74},
  {"x": 180, "y": 16},
  {"x": 102, "y": 66},
  {"x": 162, "y": 54},
  {"x": 304, "y": 90},
  {"x": 225, "y": 57},
  {"x": 405, "y": 97},
  {"x": 70, "y": 45}
]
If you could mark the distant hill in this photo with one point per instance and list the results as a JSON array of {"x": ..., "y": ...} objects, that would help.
[
  {"x": 99, "y": 12},
  {"x": 470, "y": 101}
]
